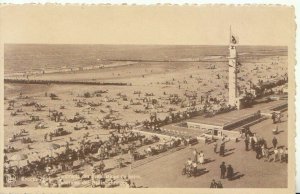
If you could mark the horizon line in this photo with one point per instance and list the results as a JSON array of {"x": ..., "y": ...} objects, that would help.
[{"x": 143, "y": 44}]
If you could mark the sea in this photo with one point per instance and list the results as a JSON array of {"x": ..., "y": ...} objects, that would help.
[{"x": 35, "y": 57}]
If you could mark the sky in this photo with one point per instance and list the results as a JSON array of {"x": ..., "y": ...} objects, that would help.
[{"x": 198, "y": 25}]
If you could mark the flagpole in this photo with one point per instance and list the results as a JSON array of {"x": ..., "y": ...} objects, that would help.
[{"x": 230, "y": 34}]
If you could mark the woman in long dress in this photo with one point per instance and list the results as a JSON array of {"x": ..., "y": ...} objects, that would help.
[
  {"x": 201, "y": 157},
  {"x": 195, "y": 155}
]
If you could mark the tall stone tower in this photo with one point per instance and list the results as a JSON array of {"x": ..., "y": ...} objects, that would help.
[{"x": 233, "y": 99}]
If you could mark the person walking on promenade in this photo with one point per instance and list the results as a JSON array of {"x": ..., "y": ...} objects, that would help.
[
  {"x": 229, "y": 172},
  {"x": 252, "y": 142},
  {"x": 281, "y": 154},
  {"x": 222, "y": 149},
  {"x": 223, "y": 170},
  {"x": 216, "y": 147},
  {"x": 247, "y": 142},
  {"x": 201, "y": 157},
  {"x": 195, "y": 155},
  {"x": 286, "y": 155},
  {"x": 266, "y": 154},
  {"x": 275, "y": 154}
]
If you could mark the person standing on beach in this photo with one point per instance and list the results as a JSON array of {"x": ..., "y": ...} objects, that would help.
[
  {"x": 274, "y": 142},
  {"x": 45, "y": 137},
  {"x": 274, "y": 117}
]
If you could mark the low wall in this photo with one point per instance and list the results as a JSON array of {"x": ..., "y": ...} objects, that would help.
[
  {"x": 241, "y": 121},
  {"x": 150, "y": 133},
  {"x": 202, "y": 126}
]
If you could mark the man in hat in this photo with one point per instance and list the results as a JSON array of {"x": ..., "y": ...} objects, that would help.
[
  {"x": 223, "y": 170},
  {"x": 222, "y": 149},
  {"x": 247, "y": 142}
]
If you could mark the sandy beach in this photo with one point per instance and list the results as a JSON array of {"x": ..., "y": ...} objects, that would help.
[{"x": 150, "y": 89}]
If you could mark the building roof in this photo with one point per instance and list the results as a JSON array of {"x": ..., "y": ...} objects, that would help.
[{"x": 233, "y": 116}]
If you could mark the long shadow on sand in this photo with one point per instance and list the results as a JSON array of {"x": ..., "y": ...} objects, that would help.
[
  {"x": 230, "y": 149},
  {"x": 56, "y": 139},
  {"x": 278, "y": 132},
  {"x": 201, "y": 172},
  {"x": 228, "y": 154},
  {"x": 236, "y": 176},
  {"x": 208, "y": 160},
  {"x": 108, "y": 170}
]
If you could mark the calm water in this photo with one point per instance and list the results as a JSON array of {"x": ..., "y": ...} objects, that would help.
[{"x": 28, "y": 57}]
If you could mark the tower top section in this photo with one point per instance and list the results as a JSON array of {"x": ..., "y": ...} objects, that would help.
[{"x": 233, "y": 39}]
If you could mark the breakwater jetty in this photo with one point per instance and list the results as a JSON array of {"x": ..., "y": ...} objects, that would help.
[{"x": 47, "y": 82}]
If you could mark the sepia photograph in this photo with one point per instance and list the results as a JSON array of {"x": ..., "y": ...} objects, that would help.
[{"x": 148, "y": 97}]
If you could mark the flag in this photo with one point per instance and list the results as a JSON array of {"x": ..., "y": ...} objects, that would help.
[{"x": 233, "y": 40}]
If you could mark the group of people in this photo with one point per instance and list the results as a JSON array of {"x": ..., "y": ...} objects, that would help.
[
  {"x": 191, "y": 166},
  {"x": 226, "y": 172},
  {"x": 15, "y": 136},
  {"x": 198, "y": 157},
  {"x": 280, "y": 154},
  {"x": 276, "y": 117},
  {"x": 259, "y": 145},
  {"x": 65, "y": 161},
  {"x": 219, "y": 147},
  {"x": 215, "y": 184}
]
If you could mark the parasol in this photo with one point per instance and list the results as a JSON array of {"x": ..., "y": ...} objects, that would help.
[
  {"x": 52, "y": 147},
  {"x": 19, "y": 157}
]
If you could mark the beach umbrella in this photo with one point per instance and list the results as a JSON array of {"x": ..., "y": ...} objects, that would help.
[
  {"x": 19, "y": 157},
  {"x": 52, "y": 147}
]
